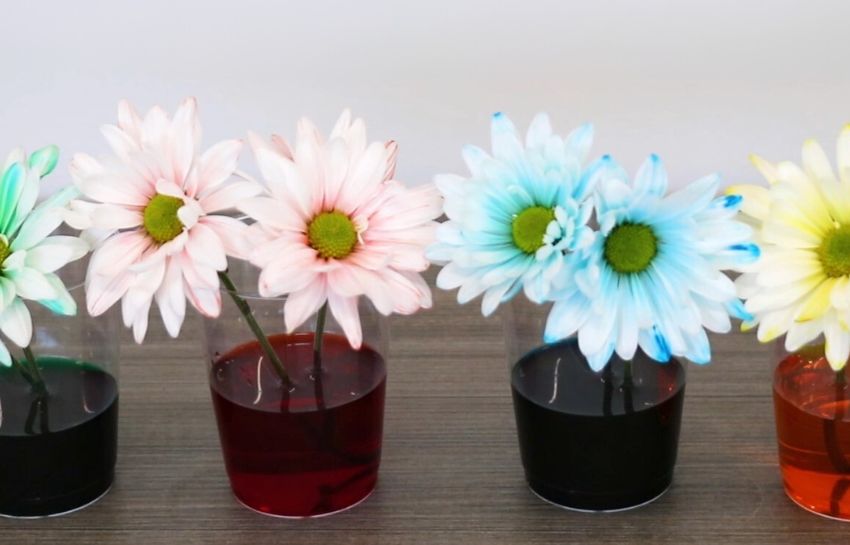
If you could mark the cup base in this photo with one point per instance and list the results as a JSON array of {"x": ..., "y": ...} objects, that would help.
[
  {"x": 300, "y": 517},
  {"x": 63, "y": 513},
  {"x": 600, "y": 511},
  {"x": 810, "y": 510}
]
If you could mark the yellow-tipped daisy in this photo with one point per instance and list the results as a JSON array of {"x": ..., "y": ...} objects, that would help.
[{"x": 801, "y": 285}]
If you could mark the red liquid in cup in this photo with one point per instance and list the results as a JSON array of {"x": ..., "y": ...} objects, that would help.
[
  {"x": 812, "y": 404},
  {"x": 310, "y": 449}
]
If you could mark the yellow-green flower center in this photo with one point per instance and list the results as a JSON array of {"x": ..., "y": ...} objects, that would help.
[
  {"x": 834, "y": 252},
  {"x": 529, "y": 227},
  {"x": 5, "y": 250},
  {"x": 160, "y": 218},
  {"x": 630, "y": 248},
  {"x": 332, "y": 234}
]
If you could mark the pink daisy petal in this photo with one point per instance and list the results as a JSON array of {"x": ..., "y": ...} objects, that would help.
[
  {"x": 84, "y": 166},
  {"x": 117, "y": 253},
  {"x": 217, "y": 164},
  {"x": 302, "y": 304},
  {"x": 309, "y": 160},
  {"x": 351, "y": 281},
  {"x": 204, "y": 247},
  {"x": 103, "y": 291},
  {"x": 344, "y": 310},
  {"x": 110, "y": 216},
  {"x": 279, "y": 277},
  {"x": 409, "y": 291},
  {"x": 285, "y": 182},
  {"x": 280, "y": 145},
  {"x": 369, "y": 257},
  {"x": 169, "y": 188},
  {"x": 366, "y": 175},
  {"x": 263, "y": 254},
  {"x": 155, "y": 254},
  {"x": 122, "y": 144},
  {"x": 205, "y": 300},
  {"x": 392, "y": 155},
  {"x": 129, "y": 121},
  {"x": 342, "y": 125},
  {"x": 135, "y": 309},
  {"x": 155, "y": 128},
  {"x": 111, "y": 190},
  {"x": 233, "y": 234},
  {"x": 189, "y": 213},
  {"x": 171, "y": 299},
  {"x": 272, "y": 213},
  {"x": 229, "y": 196},
  {"x": 182, "y": 140},
  {"x": 197, "y": 275},
  {"x": 337, "y": 171}
]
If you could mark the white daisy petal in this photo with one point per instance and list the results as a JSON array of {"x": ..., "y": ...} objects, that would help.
[{"x": 16, "y": 323}]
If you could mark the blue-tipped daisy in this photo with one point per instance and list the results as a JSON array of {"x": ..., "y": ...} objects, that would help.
[
  {"x": 653, "y": 276},
  {"x": 515, "y": 220}
]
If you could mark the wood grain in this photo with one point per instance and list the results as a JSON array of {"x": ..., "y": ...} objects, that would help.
[{"x": 450, "y": 472}]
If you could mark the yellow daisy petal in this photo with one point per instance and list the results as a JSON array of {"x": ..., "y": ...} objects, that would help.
[
  {"x": 802, "y": 192},
  {"x": 756, "y": 201},
  {"x": 817, "y": 304},
  {"x": 786, "y": 236},
  {"x": 840, "y": 295},
  {"x": 837, "y": 344},
  {"x": 815, "y": 162},
  {"x": 766, "y": 168},
  {"x": 774, "y": 324},
  {"x": 843, "y": 154}
]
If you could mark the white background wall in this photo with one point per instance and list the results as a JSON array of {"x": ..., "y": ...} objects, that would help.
[{"x": 701, "y": 83}]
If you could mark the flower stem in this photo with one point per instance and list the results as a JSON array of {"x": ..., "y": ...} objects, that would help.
[
  {"x": 628, "y": 387},
  {"x": 833, "y": 446},
  {"x": 245, "y": 309},
  {"x": 318, "y": 337},
  {"x": 608, "y": 389},
  {"x": 24, "y": 371},
  {"x": 37, "y": 380}
]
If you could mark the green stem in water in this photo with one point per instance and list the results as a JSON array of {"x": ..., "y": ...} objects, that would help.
[
  {"x": 24, "y": 371},
  {"x": 35, "y": 373},
  {"x": 245, "y": 309}
]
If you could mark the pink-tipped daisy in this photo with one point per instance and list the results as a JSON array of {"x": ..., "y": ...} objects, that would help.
[
  {"x": 337, "y": 225},
  {"x": 154, "y": 208}
]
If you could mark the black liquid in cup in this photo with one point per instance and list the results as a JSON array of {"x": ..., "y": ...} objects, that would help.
[
  {"x": 57, "y": 451},
  {"x": 597, "y": 441}
]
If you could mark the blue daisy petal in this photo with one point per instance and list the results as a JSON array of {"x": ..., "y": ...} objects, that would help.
[
  {"x": 480, "y": 250},
  {"x": 668, "y": 283}
]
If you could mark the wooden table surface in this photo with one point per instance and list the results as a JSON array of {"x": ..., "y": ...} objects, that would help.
[{"x": 450, "y": 471}]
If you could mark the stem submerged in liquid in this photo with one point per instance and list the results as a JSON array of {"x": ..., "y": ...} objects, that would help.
[{"x": 833, "y": 446}]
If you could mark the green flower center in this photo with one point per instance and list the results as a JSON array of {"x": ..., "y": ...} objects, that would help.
[
  {"x": 5, "y": 250},
  {"x": 332, "y": 234},
  {"x": 160, "y": 218},
  {"x": 834, "y": 252},
  {"x": 529, "y": 227},
  {"x": 630, "y": 248}
]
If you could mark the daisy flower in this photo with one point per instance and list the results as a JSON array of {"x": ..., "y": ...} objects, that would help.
[
  {"x": 29, "y": 255},
  {"x": 155, "y": 209},
  {"x": 336, "y": 224},
  {"x": 801, "y": 286},
  {"x": 652, "y": 277},
  {"x": 512, "y": 222}
]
